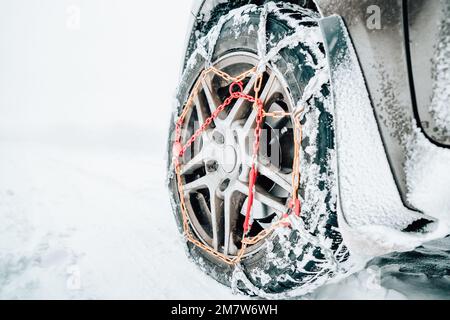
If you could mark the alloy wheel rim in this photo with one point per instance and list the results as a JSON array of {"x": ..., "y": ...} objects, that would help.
[{"x": 215, "y": 169}]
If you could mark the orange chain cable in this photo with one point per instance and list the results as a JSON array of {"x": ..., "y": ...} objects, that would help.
[{"x": 179, "y": 150}]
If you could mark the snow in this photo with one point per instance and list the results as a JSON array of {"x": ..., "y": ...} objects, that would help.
[
  {"x": 88, "y": 223},
  {"x": 84, "y": 113},
  {"x": 372, "y": 213},
  {"x": 428, "y": 180},
  {"x": 439, "y": 106},
  {"x": 93, "y": 217},
  {"x": 84, "y": 209}
]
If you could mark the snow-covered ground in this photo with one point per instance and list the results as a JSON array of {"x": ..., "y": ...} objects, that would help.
[
  {"x": 85, "y": 98},
  {"x": 93, "y": 222},
  {"x": 90, "y": 223}
]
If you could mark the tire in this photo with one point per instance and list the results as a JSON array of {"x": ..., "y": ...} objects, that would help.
[{"x": 296, "y": 260}]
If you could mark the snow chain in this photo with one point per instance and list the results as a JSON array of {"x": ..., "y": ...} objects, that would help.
[{"x": 179, "y": 150}]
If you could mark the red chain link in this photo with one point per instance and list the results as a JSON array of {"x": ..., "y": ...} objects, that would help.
[{"x": 253, "y": 172}]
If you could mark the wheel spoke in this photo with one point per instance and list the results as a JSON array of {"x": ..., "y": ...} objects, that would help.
[
  {"x": 272, "y": 173},
  {"x": 249, "y": 124},
  {"x": 262, "y": 196},
  {"x": 215, "y": 214},
  {"x": 186, "y": 133},
  {"x": 213, "y": 100},
  {"x": 269, "y": 88},
  {"x": 266, "y": 93},
  {"x": 196, "y": 162},
  {"x": 229, "y": 217},
  {"x": 199, "y": 107},
  {"x": 209, "y": 181}
]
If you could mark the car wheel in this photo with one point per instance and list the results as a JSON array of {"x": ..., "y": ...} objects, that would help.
[{"x": 292, "y": 260}]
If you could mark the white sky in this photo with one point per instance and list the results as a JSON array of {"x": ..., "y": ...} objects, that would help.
[{"x": 119, "y": 66}]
